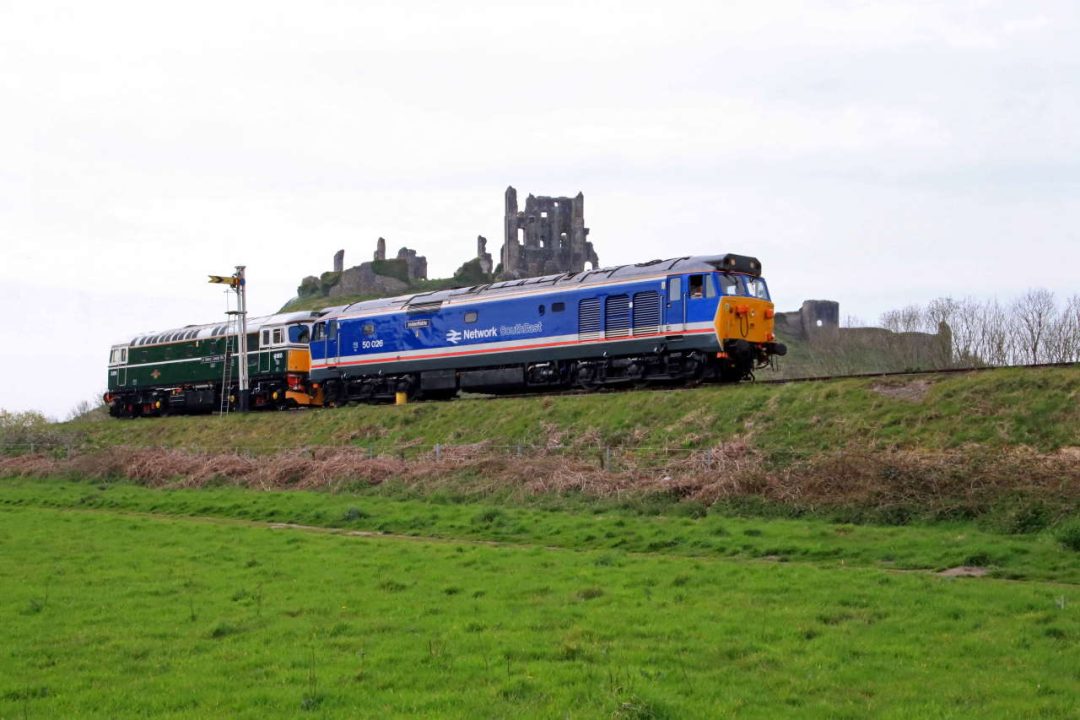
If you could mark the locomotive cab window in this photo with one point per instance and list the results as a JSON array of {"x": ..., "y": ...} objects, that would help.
[
  {"x": 319, "y": 331},
  {"x": 755, "y": 287},
  {"x": 265, "y": 338},
  {"x": 277, "y": 336},
  {"x": 123, "y": 355},
  {"x": 298, "y": 334},
  {"x": 471, "y": 316},
  {"x": 729, "y": 284},
  {"x": 697, "y": 286}
]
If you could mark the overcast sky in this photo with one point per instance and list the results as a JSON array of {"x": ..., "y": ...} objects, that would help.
[{"x": 875, "y": 153}]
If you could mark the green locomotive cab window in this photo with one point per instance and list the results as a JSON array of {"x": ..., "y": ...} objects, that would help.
[
  {"x": 277, "y": 336},
  {"x": 265, "y": 338},
  {"x": 299, "y": 334}
]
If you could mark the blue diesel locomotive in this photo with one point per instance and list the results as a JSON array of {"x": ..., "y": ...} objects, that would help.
[{"x": 685, "y": 320}]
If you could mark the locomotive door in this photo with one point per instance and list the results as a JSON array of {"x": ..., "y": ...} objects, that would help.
[
  {"x": 121, "y": 372},
  {"x": 675, "y": 315},
  {"x": 264, "y": 351},
  {"x": 333, "y": 352}
]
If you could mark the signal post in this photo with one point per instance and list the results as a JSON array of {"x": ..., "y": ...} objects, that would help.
[{"x": 238, "y": 283}]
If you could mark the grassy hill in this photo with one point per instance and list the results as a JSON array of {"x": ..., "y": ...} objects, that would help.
[
  {"x": 1039, "y": 409},
  {"x": 1002, "y": 445}
]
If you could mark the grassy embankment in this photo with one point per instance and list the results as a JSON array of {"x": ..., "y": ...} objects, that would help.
[
  {"x": 1001, "y": 444},
  {"x": 1039, "y": 409}
]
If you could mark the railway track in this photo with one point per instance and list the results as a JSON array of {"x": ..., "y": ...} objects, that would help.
[{"x": 785, "y": 381}]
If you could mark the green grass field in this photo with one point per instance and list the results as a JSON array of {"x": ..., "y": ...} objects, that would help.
[{"x": 123, "y": 601}]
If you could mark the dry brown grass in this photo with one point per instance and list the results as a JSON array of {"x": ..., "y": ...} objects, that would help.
[{"x": 968, "y": 477}]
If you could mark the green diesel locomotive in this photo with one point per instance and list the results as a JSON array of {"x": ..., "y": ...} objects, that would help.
[{"x": 195, "y": 369}]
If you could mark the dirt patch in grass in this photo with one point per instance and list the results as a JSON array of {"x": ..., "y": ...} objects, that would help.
[
  {"x": 909, "y": 390},
  {"x": 964, "y": 571}
]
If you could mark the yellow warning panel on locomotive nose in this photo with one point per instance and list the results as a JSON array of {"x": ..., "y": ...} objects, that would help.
[{"x": 744, "y": 318}]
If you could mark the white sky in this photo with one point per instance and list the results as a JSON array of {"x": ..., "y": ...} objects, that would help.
[{"x": 876, "y": 153}]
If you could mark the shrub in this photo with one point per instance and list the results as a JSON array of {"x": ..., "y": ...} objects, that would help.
[
  {"x": 1069, "y": 535},
  {"x": 1017, "y": 515}
]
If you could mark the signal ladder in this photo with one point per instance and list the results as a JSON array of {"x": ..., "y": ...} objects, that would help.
[{"x": 232, "y": 336}]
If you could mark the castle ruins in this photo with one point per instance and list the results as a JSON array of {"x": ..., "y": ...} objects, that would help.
[{"x": 547, "y": 237}]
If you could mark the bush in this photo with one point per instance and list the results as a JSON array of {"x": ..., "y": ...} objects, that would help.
[
  {"x": 1018, "y": 515},
  {"x": 1069, "y": 535},
  {"x": 20, "y": 430}
]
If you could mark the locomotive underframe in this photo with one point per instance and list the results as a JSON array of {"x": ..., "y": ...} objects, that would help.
[
  {"x": 658, "y": 364},
  {"x": 267, "y": 393}
]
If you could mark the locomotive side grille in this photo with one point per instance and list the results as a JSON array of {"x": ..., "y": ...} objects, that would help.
[
  {"x": 646, "y": 313},
  {"x": 617, "y": 316},
  {"x": 589, "y": 319}
]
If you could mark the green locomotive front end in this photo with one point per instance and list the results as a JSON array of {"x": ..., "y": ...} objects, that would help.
[{"x": 195, "y": 369}]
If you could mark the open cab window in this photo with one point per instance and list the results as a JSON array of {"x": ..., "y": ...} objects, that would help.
[
  {"x": 756, "y": 288},
  {"x": 697, "y": 286}
]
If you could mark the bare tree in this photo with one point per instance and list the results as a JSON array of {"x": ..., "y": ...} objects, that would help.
[
  {"x": 1034, "y": 312},
  {"x": 966, "y": 325},
  {"x": 995, "y": 341},
  {"x": 907, "y": 319},
  {"x": 852, "y": 321},
  {"x": 1072, "y": 312},
  {"x": 1062, "y": 343}
]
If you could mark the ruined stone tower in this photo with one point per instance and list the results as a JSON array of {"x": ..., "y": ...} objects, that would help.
[{"x": 547, "y": 237}]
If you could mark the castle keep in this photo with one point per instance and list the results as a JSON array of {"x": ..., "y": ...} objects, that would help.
[{"x": 547, "y": 237}]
